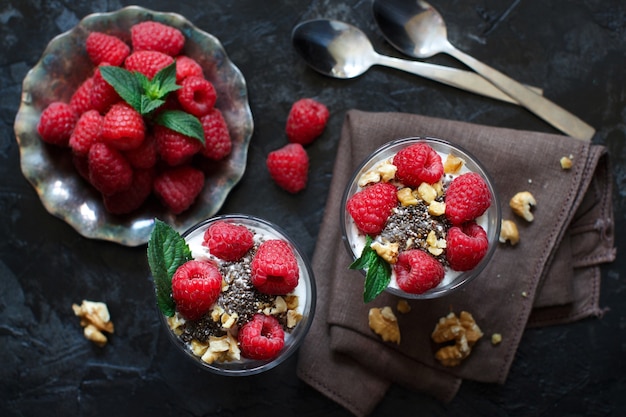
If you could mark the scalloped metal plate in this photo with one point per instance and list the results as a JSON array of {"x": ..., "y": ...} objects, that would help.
[{"x": 63, "y": 66}]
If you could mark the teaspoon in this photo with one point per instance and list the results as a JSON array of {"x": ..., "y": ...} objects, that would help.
[
  {"x": 340, "y": 50},
  {"x": 417, "y": 29}
]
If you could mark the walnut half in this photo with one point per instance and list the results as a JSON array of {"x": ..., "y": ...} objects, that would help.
[
  {"x": 95, "y": 319},
  {"x": 521, "y": 203},
  {"x": 462, "y": 330},
  {"x": 385, "y": 324}
]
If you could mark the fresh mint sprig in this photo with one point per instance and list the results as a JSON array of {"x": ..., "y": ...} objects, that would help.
[
  {"x": 378, "y": 271},
  {"x": 145, "y": 96},
  {"x": 167, "y": 250}
]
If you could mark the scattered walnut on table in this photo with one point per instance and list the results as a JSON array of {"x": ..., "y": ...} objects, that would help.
[
  {"x": 521, "y": 203},
  {"x": 566, "y": 162},
  {"x": 496, "y": 338},
  {"x": 509, "y": 232},
  {"x": 385, "y": 324},
  {"x": 95, "y": 320},
  {"x": 403, "y": 306},
  {"x": 462, "y": 330}
]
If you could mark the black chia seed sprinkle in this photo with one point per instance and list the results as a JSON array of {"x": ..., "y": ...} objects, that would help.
[{"x": 409, "y": 226}]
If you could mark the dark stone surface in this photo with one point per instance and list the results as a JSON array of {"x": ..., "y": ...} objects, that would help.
[{"x": 574, "y": 49}]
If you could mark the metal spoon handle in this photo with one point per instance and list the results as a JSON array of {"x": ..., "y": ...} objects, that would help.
[
  {"x": 539, "y": 105},
  {"x": 465, "y": 80}
]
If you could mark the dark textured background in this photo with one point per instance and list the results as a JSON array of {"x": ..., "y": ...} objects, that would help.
[{"x": 574, "y": 49}]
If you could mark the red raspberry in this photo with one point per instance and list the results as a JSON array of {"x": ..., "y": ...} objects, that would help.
[
  {"x": 195, "y": 287},
  {"x": 103, "y": 95},
  {"x": 155, "y": 36},
  {"x": 81, "y": 163},
  {"x": 80, "y": 101},
  {"x": 218, "y": 143},
  {"x": 274, "y": 268},
  {"x": 106, "y": 48},
  {"x": 145, "y": 156},
  {"x": 178, "y": 187},
  {"x": 418, "y": 163},
  {"x": 306, "y": 121},
  {"x": 56, "y": 123},
  {"x": 289, "y": 167},
  {"x": 123, "y": 127},
  {"x": 228, "y": 241},
  {"x": 147, "y": 63},
  {"x": 86, "y": 132},
  {"x": 109, "y": 172},
  {"x": 187, "y": 67},
  {"x": 261, "y": 338},
  {"x": 130, "y": 200},
  {"x": 417, "y": 272},
  {"x": 467, "y": 197},
  {"x": 466, "y": 246},
  {"x": 174, "y": 147},
  {"x": 196, "y": 95},
  {"x": 371, "y": 207}
]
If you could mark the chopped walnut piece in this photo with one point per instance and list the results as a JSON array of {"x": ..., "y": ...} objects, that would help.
[
  {"x": 509, "y": 232},
  {"x": 521, "y": 203},
  {"x": 406, "y": 197},
  {"x": 462, "y": 330},
  {"x": 403, "y": 306},
  {"x": 384, "y": 171},
  {"x": 452, "y": 164},
  {"x": 427, "y": 192},
  {"x": 293, "y": 318},
  {"x": 221, "y": 349},
  {"x": 472, "y": 331},
  {"x": 292, "y": 301},
  {"x": 385, "y": 324},
  {"x": 280, "y": 306},
  {"x": 95, "y": 319},
  {"x": 566, "y": 162},
  {"x": 450, "y": 355},
  {"x": 387, "y": 171},
  {"x": 436, "y": 208},
  {"x": 388, "y": 251},
  {"x": 370, "y": 177}
]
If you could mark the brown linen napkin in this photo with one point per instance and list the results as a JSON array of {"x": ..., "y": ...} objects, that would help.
[{"x": 551, "y": 276}]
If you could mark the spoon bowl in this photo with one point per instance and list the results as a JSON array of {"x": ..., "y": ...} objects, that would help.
[
  {"x": 413, "y": 27},
  {"x": 333, "y": 48},
  {"x": 340, "y": 50},
  {"x": 417, "y": 29}
]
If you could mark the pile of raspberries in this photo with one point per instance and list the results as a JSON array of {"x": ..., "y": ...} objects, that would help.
[{"x": 116, "y": 149}]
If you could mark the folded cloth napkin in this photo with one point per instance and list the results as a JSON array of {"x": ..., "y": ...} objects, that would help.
[{"x": 551, "y": 276}]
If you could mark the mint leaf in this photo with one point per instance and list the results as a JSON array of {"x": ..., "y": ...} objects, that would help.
[
  {"x": 377, "y": 278},
  {"x": 165, "y": 80},
  {"x": 378, "y": 271},
  {"x": 148, "y": 105},
  {"x": 167, "y": 250},
  {"x": 125, "y": 84},
  {"x": 182, "y": 122},
  {"x": 143, "y": 94}
]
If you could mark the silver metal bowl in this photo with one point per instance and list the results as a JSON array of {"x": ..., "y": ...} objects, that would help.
[{"x": 63, "y": 66}]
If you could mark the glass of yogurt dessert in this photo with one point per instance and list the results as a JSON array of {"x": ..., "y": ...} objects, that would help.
[
  {"x": 421, "y": 218},
  {"x": 242, "y": 294}
]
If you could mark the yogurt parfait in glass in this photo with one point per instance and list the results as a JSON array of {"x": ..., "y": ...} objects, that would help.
[
  {"x": 235, "y": 293},
  {"x": 421, "y": 218}
]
